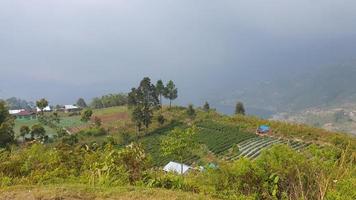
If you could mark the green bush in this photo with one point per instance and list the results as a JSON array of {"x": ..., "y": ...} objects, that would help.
[
  {"x": 94, "y": 131},
  {"x": 170, "y": 181}
]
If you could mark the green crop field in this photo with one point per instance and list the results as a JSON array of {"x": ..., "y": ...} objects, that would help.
[
  {"x": 69, "y": 122},
  {"x": 219, "y": 137},
  {"x": 110, "y": 111},
  {"x": 151, "y": 142},
  {"x": 30, "y": 122}
]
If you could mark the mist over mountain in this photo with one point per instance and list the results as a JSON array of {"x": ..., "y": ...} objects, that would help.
[
  {"x": 273, "y": 56},
  {"x": 292, "y": 91}
]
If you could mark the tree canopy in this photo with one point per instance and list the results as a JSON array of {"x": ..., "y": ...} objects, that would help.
[
  {"x": 206, "y": 107},
  {"x": 86, "y": 115},
  {"x": 179, "y": 144},
  {"x": 42, "y": 104},
  {"x": 81, "y": 103},
  {"x": 239, "y": 109},
  {"x": 143, "y": 101},
  {"x": 6, "y": 125},
  {"x": 171, "y": 92},
  {"x": 109, "y": 100},
  {"x": 160, "y": 90},
  {"x": 14, "y": 103}
]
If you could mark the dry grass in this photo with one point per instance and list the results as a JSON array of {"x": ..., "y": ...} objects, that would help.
[{"x": 86, "y": 193}]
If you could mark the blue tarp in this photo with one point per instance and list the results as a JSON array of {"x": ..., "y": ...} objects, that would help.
[{"x": 264, "y": 129}]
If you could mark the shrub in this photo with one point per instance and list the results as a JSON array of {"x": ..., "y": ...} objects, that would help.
[{"x": 170, "y": 181}]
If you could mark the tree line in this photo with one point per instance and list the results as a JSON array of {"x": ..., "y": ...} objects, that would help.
[
  {"x": 109, "y": 100},
  {"x": 147, "y": 98}
]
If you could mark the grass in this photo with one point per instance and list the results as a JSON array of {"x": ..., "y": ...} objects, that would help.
[
  {"x": 74, "y": 192},
  {"x": 72, "y": 121},
  {"x": 111, "y": 110}
]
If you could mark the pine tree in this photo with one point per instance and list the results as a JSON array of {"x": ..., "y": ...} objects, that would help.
[
  {"x": 6, "y": 126},
  {"x": 206, "y": 107},
  {"x": 191, "y": 111},
  {"x": 171, "y": 92},
  {"x": 81, "y": 103},
  {"x": 160, "y": 91},
  {"x": 239, "y": 109},
  {"x": 143, "y": 101}
]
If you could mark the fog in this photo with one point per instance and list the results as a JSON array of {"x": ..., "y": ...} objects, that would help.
[{"x": 67, "y": 49}]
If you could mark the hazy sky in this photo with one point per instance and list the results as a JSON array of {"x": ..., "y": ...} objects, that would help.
[{"x": 64, "y": 49}]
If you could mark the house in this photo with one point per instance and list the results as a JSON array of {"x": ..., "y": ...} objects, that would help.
[
  {"x": 25, "y": 114},
  {"x": 14, "y": 112},
  {"x": 176, "y": 168},
  {"x": 71, "y": 108},
  {"x": 22, "y": 114},
  {"x": 46, "y": 109},
  {"x": 263, "y": 130}
]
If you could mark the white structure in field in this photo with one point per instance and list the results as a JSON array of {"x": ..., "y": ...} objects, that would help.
[
  {"x": 69, "y": 108},
  {"x": 176, "y": 167},
  {"x": 46, "y": 109}
]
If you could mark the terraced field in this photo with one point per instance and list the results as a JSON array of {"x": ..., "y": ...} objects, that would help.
[
  {"x": 251, "y": 148},
  {"x": 220, "y": 138}
]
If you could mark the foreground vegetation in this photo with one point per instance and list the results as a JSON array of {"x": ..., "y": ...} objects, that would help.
[
  {"x": 103, "y": 166},
  {"x": 279, "y": 172}
]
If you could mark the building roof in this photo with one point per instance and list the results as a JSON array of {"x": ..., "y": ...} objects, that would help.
[
  {"x": 70, "y": 107},
  {"x": 25, "y": 113},
  {"x": 14, "y": 112},
  {"x": 176, "y": 167}
]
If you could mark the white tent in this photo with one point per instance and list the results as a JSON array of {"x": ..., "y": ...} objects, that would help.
[
  {"x": 46, "y": 109},
  {"x": 176, "y": 167},
  {"x": 70, "y": 107}
]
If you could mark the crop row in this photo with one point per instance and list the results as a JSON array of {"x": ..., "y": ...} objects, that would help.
[
  {"x": 252, "y": 148},
  {"x": 219, "y": 138}
]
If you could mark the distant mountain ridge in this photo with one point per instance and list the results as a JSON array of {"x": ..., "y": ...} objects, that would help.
[{"x": 289, "y": 92}]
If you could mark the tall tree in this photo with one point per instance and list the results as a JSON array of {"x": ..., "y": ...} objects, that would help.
[
  {"x": 96, "y": 103},
  {"x": 143, "y": 101},
  {"x": 42, "y": 104},
  {"x": 160, "y": 90},
  {"x": 170, "y": 92},
  {"x": 239, "y": 109},
  {"x": 179, "y": 144},
  {"x": 6, "y": 126},
  {"x": 81, "y": 103},
  {"x": 14, "y": 103},
  {"x": 206, "y": 107},
  {"x": 191, "y": 112}
]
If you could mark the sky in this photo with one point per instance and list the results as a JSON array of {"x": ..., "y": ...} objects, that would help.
[{"x": 66, "y": 49}]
